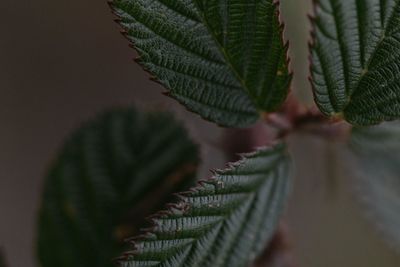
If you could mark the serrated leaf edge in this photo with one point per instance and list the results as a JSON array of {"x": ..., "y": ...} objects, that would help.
[
  {"x": 181, "y": 206},
  {"x": 153, "y": 78}
]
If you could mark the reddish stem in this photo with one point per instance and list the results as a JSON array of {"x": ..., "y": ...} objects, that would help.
[
  {"x": 279, "y": 253},
  {"x": 294, "y": 117}
]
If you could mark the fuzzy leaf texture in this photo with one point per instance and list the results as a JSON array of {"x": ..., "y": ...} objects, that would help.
[
  {"x": 226, "y": 62},
  {"x": 356, "y": 59},
  {"x": 223, "y": 222},
  {"x": 112, "y": 173},
  {"x": 377, "y": 151}
]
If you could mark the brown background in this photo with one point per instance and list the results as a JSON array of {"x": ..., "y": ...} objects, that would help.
[{"x": 62, "y": 61}]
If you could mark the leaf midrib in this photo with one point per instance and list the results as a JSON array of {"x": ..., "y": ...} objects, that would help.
[
  {"x": 366, "y": 67},
  {"x": 341, "y": 46},
  {"x": 225, "y": 54}
]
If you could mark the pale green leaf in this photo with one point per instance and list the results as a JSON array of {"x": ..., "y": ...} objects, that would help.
[
  {"x": 111, "y": 173},
  {"x": 356, "y": 59},
  {"x": 223, "y": 222},
  {"x": 223, "y": 60},
  {"x": 377, "y": 151}
]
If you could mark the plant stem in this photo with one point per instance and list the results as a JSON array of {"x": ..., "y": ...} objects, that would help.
[
  {"x": 238, "y": 141},
  {"x": 279, "y": 253},
  {"x": 293, "y": 117}
]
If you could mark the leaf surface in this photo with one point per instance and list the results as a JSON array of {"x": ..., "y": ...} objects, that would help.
[
  {"x": 111, "y": 173},
  {"x": 377, "y": 150},
  {"x": 225, "y": 61},
  {"x": 224, "y": 221},
  {"x": 356, "y": 59}
]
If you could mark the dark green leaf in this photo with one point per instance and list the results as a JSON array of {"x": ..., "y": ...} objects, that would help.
[
  {"x": 356, "y": 59},
  {"x": 226, "y": 62},
  {"x": 110, "y": 175},
  {"x": 377, "y": 149},
  {"x": 223, "y": 222}
]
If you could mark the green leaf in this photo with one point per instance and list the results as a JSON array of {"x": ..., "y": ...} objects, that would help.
[
  {"x": 377, "y": 150},
  {"x": 356, "y": 59},
  {"x": 111, "y": 173},
  {"x": 224, "y": 221},
  {"x": 226, "y": 62}
]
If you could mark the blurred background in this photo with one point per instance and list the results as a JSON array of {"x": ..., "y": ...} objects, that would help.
[{"x": 62, "y": 61}]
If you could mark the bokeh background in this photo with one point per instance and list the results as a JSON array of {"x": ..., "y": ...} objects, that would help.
[{"x": 63, "y": 61}]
